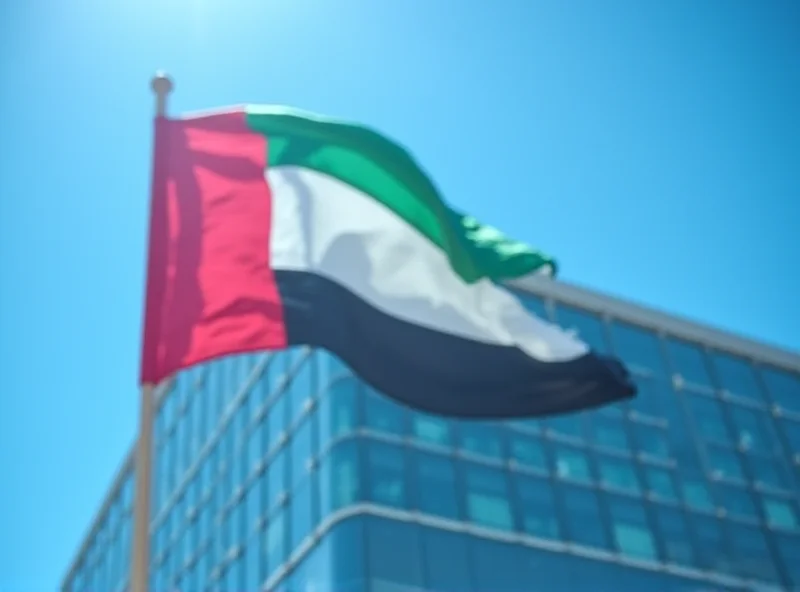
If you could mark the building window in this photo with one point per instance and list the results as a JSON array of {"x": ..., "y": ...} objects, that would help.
[
  {"x": 631, "y": 533},
  {"x": 769, "y": 472},
  {"x": 789, "y": 550},
  {"x": 528, "y": 452},
  {"x": 431, "y": 430},
  {"x": 737, "y": 377},
  {"x": 339, "y": 478},
  {"x": 754, "y": 430},
  {"x": 660, "y": 483},
  {"x": 482, "y": 439},
  {"x": 674, "y": 535},
  {"x": 436, "y": 485},
  {"x": 338, "y": 410},
  {"x": 639, "y": 348},
  {"x": 387, "y": 474},
  {"x": 275, "y": 543},
  {"x": 587, "y": 327},
  {"x": 781, "y": 513},
  {"x": 300, "y": 447},
  {"x": 724, "y": 464},
  {"x": 535, "y": 305},
  {"x": 301, "y": 386},
  {"x": 572, "y": 464},
  {"x": 690, "y": 362},
  {"x": 582, "y": 516},
  {"x": 487, "y": 497},
  {"x": 276, "y": 419},
  {"x": 569, "y": 426},
  {"x": 711, "y": 547},
  {"x": 784, "y": 388},
  {"x": 610, "y": 433},
  {"x": 276, "y": 479},
  {"x": 302, "y": 515},
  {"x": 618, "y": 474},
  {"x": 537, "y": 506},
  {"x": 751, "y": 555},
  {"x": 708, "y": 419},
  {"x": 695, "y": 492},
  {"x": 651, "y": 441},
  {"x": 383, "y": 414},
  {"x": 737, "y": 501}
]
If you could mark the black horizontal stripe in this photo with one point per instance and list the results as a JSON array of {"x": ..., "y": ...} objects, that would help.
[{"x": 437, "y": 372}]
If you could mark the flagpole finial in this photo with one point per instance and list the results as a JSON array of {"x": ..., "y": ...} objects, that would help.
[{"x": 162, "y": 86}]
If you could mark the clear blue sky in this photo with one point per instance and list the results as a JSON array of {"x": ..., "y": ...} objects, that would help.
[{"x": 653, "y": 147}]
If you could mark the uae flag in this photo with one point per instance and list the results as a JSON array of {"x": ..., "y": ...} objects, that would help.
[{"x": 272, "y": 227}]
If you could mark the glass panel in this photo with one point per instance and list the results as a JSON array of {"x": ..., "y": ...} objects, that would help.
[
  {"x": 527, "y": 451},
  {"x": 387, "y": 474},
  {"x": 572, "y": 464},
  {"x": 724, "y": 464},
  {"x": 275, "y": 542},
  {"x": 690, "y": 362},
  {"x": 737, "y": 376},
  {"x": 737, "y": 501},
  {"x": 649, "y": 398},
  {"x": 754, "y": 430},
  {"x": 631, "y": 532},
  {"x": 436, "y": 485},
  {"x": 674, "y": 535},
  {"x": 784, "y": 388},
  {"x": 789, "y": 550},
  {"x": 791, "y": 430},
  {"x": 276, "y": 418},
  {"x": 618, "y": 474},
  {"x": 610, "y": 433},
  {"x": 586, "y": 326},
  {"x": 750, "y": 553},
  {"x": 276, "y": 479},
  {"x": 582, "y": 516},
  {"x": 257, "y": 440},
  {"x": 395, "y": 563},
  {"x": 780, "y": 513},
  {"x": 300, "y": 449},
  {"x": 711, "y": 549},
  {"x": 446, "y": 555},
  {"x": 302, "y": 511},
  {"x": 432, "y": 430},
  {"x": 708, "y": 419},
  {"x": 651, "y": 441},
  {"x": 569, "y": 426},
  {"x": 301, "y": 386},
  {"x": 537, "y": 506},
  {"x": 660, "y": 483},
  {"x": 339, "y": 478},
  {"x": 638, "y": 347},
  {"x": 767, "y": 472},
  {"x": 484, "y": 439},
  {"x": 696, "y": 492},
  {"x": 382, "y": 414},
  {"x": 338, "y": 410},
  {"x": 487, "y": 497}
]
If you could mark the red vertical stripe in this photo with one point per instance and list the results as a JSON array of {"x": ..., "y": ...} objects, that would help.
[{"x": 210, "y": 289}]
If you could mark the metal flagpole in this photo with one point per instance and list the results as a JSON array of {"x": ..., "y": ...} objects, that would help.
[{"x": 140, "y": 560}]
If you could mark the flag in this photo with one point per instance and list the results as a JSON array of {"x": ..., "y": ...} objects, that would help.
[{"x": 272, "y": 227}]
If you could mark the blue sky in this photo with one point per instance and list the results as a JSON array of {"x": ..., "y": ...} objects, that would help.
[{"x": 652, "y": 147}]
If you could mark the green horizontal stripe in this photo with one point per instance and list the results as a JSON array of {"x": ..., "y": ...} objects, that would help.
[{"x": 379, "y": 167}]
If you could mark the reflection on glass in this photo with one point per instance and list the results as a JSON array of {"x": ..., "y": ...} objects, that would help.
[
  {"x": 780, "y": 512},
  {"x": 609, "y": 433},
  {"x": 275, "y": 543},
  {"x": 572, "y": 464},
  {"x": 481, "y": 438},
  {"x": 387, "y": 474},
  {"x": 436, "y": 485},
  {"x": 338, "y": 413},
  {"x": 537, "y": 506},
  {"x": 753, "y": 430},
  {"x": 487, "y": 497},
  {"x": 783, "y": 388},
  {"x": 751, "y": 555},
  {"x": 527, "y": 451},
  {"x": 300, "y": 450},
  {"x": 736, "y": 376},
  {"x": 587, "y": 327},
  {"x": 708, "y": 419},
  {"x": 618, "y": 474},
  {"x": 430, "y": 429},
  {"x": 690, "y": 362},
  {"x": 724, "y": 464},
  {"x": 674, "y": 535},
  {"x": 382, "y": 414},
  {"x": 651, "y": 441},
  {"x": 638, "y": 347},
  {"x": 695, "y": 492},
  {"x": 737, "y": 501},
  {"x": 582, "y": 516},
  {"x": 660, "y": 483},
  {"x": 631, "y": 533},
  {"x": 339, "y": 477}
]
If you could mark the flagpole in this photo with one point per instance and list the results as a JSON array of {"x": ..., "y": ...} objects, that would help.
[{"x": 140, "y": 560}]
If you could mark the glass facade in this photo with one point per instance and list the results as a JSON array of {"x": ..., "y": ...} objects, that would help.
[{"x": 285, "y": 472}]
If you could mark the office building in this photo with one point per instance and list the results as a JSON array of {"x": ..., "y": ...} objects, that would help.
[{"x": 284, "y": 472}]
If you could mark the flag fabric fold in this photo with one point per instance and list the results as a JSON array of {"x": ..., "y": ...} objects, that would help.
[{"x": 272, "y": 227}]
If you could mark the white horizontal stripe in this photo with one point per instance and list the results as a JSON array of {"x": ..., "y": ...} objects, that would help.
[{"x": 324, "y": 226}]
